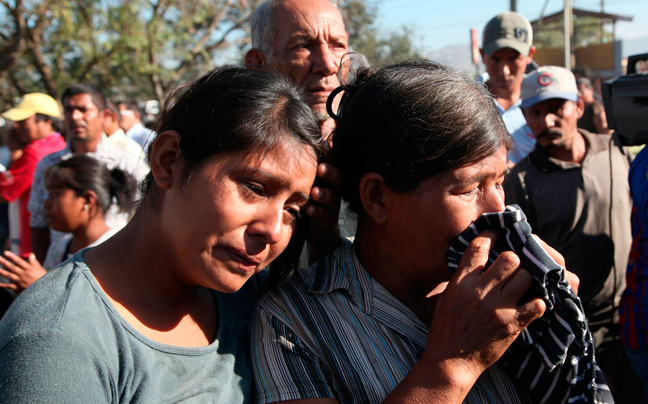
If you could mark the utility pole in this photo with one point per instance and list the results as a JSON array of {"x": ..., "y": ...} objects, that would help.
[
  {"x": 568, "y": 29},
  {"x": 513, "y": 5},
  {"x": 601, "y": 29}
]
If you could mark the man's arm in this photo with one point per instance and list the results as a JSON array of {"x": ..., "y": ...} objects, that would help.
[{"x": 600, "y": 120}]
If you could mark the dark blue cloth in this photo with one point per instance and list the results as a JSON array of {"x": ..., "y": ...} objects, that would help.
[{"x": 554, "y": 356}]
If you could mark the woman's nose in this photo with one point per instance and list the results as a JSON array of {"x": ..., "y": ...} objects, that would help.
[
  {"x": 269, "y": 225},
  {"x": 494, "y": 200}
]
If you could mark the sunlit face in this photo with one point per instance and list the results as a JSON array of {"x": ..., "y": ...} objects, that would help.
[
  {"x": 63, "y": 207},
  {"x": 82, "y": 118},
  {"x": 309, "y": 41},
  {"x": 29, "y": 130},
  {"x": 505, "y": 68},
  {"x": 586, "y": 93},
  {"x": 553, "y": 122},
  {"x": 128, "y": 118},
  {"x": 236, "y": 214},
  {"x": 110, "y": 122},
  {"x": 423, "y": 223}
]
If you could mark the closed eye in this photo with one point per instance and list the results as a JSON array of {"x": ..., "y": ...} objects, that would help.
[
  {"x": 292, "y": 215},
  {"x": 256, "y": 189},
  {"x": 294, "y": 212}
]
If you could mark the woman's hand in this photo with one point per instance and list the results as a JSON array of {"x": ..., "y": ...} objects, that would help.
[
  {"x": 478, "y": 315},
  {"x": 21, "y": 273}
]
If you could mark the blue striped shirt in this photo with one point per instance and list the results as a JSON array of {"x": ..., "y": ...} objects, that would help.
[{"x": 332, "y": 331}]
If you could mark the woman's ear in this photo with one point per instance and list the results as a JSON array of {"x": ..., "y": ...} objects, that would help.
[
  {"x": 165, "y": 158},
  {"x": 374, "y": 195},
  {"x": 90, "y": 201}
]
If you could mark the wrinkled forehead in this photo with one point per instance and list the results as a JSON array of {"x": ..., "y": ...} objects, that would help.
[{"x": 292, "y": 17}]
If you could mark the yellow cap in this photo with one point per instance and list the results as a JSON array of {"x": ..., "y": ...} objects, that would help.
[{"x": 32, "y": 104}]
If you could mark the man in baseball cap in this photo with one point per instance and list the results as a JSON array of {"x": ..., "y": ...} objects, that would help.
[
  {"x": 507, "y": 50},
  {"x": 32, "y": 104},
  {"x": 573, "y": 198},
  {"x": 34, "y": 119},
  {"x": 549, "y": 82}
]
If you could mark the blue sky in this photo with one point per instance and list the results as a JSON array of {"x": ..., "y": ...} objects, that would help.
[{"x": 440, "y": 23}]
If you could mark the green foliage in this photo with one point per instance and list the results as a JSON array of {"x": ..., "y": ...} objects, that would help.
[
  {"x": 141, "y": 48},
  {"x": 145, "y": 48}
]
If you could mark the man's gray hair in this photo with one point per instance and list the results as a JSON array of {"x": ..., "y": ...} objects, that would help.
[{"x": 263, "y": 25}]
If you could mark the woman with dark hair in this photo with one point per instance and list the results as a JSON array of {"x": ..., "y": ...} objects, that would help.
[
  {"x": 80, "y": 191},
  {"x": 159, "y": 312},
  {"x": 422, "y": 151}
]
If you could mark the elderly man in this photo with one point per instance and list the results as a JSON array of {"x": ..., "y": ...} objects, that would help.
[
  {"x": 83, "y": 120},
  {"x": 574, "y": 190},
  {"x": 507, "y": 50},
  {"x": 305, "y": 40}
]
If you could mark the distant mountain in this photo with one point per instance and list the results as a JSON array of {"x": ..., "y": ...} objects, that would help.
[
  {"x": 459, "y": 56},
  {"x": 634, "y": 46}
]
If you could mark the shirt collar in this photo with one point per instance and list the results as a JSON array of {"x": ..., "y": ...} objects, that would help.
[
  {"x": 119, "y": 134},
  {"x": 135, "y": 128},
  {"x": 517, "y": 104},
  {"x": 342, "y": 270}
]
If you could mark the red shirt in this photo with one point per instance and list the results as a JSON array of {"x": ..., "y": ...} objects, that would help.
[{"x": 16, "y": 182}]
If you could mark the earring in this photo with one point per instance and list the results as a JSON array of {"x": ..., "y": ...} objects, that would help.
[{"x": 85, "y": 206}]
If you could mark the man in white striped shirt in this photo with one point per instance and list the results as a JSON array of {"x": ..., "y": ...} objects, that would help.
[{"x": 83, "y": 121}]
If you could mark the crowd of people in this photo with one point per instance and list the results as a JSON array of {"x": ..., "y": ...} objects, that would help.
[{"x": 412, "y": 192}]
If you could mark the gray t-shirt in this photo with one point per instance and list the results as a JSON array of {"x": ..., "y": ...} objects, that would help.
[{"x": 63, "y": 341}]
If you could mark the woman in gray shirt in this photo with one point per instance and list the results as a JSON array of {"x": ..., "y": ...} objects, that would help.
[{"x": 158, "y": 313}]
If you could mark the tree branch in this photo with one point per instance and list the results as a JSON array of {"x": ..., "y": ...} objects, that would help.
[
  {"x": 40, "y": 16},
  {"x": 18, "y": 84},
  {"x": 96, "y": 60},
  {"x": 11, "y": 53},
  {"x": 43, "y": 69}
]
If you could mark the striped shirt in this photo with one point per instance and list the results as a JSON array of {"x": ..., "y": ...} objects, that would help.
[
  {"x": 332, "y": 331},
  {"x": 554, "y": 355}
]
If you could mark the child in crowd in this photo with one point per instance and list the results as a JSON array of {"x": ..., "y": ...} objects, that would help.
[{"x": 80, "y": 191}]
